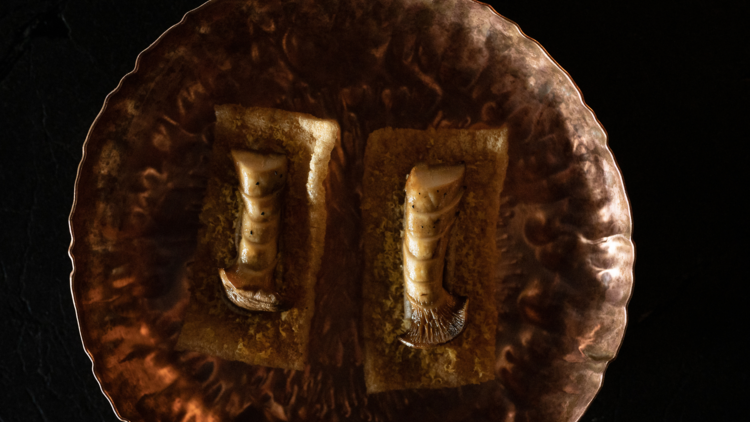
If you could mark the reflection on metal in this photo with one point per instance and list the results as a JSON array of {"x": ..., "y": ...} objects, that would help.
[
  {"x": 563, "y": 280},
  {"x": 249, "y": 283},
  {"x": 437, "y": 316}
]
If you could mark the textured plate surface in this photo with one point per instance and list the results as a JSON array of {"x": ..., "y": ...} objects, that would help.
[{"x": 563, "y": 281}]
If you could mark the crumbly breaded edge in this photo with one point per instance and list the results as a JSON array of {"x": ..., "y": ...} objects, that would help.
[
  {"x": 201, "y": 323},
  {"x": 411, "y": 368}
]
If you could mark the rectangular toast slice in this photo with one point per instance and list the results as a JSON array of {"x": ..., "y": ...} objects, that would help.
[
  {"x": 212, "y": 324},
  {"x": 389, "y": 157}
]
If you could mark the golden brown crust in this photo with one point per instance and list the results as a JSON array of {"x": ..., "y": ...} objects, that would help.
[
  {"x": 469, "y": 358},
  {"x": 212, "y": 325}
]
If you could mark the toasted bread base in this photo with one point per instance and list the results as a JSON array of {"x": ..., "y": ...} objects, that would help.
[
  {"x": 212, "y": 325},
  {"x": 470, "y": 357}
]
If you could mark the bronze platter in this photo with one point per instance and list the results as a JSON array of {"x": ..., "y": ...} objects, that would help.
[{"x": 564, "y": 278}]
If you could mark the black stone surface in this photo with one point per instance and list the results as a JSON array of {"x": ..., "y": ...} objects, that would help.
[{"x": 670, "y": 81}]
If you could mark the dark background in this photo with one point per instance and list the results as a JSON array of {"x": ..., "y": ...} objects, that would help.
[{"x": 670, "y": 81}]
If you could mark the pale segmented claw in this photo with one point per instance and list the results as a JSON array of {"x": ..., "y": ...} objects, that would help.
[
  {"x": 249, "y": 283},
  {"x": 432, "y": 197}
]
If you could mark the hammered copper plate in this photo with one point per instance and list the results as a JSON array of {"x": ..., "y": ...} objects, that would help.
[{"x": 564, "y": 279}]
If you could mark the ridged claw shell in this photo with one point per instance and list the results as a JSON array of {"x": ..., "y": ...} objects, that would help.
[
  {"x": 249, "y": 283},
  {"x": 433, "y": 194}
]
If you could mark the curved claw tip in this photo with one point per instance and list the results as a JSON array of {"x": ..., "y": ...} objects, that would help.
[
  {"x": 435, "y": 325},
  {"x": 252, "y": 299}
]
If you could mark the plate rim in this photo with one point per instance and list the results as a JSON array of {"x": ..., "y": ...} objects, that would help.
[{"x": 137, "y": 67}]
